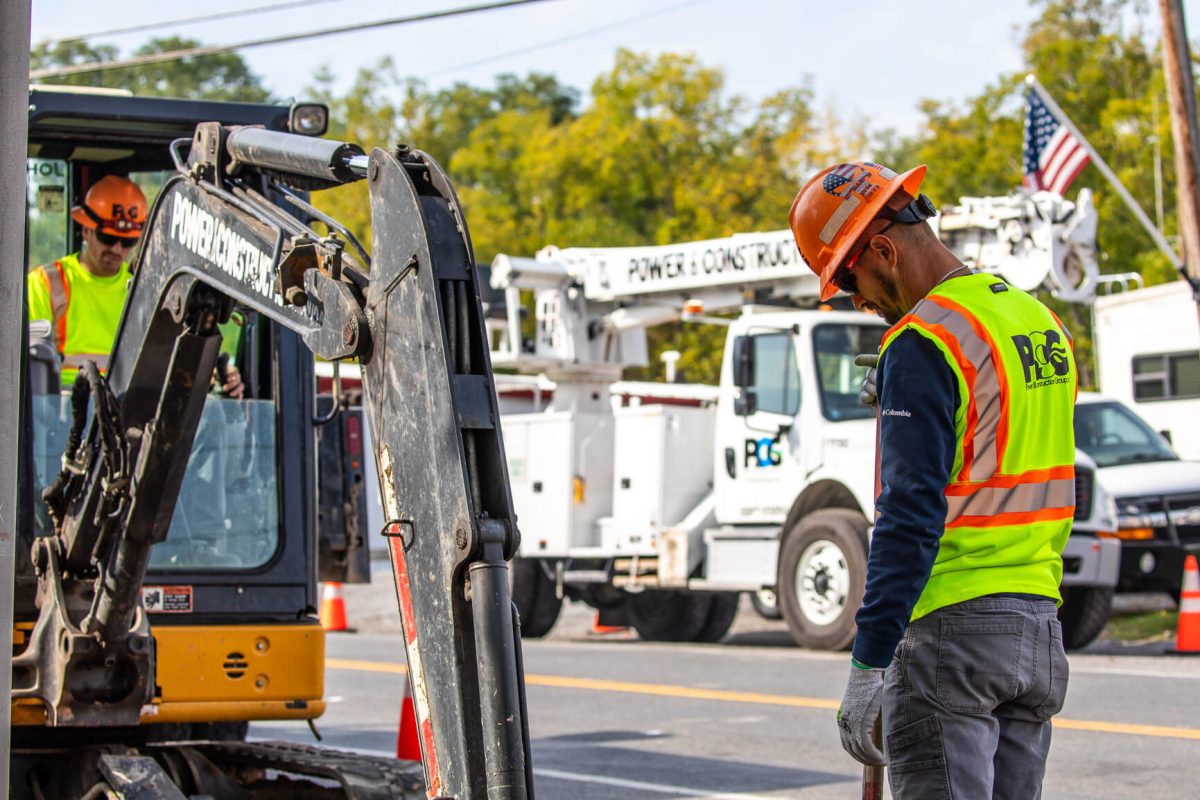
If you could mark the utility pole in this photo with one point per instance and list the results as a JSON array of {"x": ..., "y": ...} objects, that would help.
[
  {"x": 1181, "y": 98},
  {"x": 14, "y": 121}
]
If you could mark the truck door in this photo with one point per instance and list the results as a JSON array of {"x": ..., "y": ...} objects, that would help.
[{"x": 758, "y": 443}]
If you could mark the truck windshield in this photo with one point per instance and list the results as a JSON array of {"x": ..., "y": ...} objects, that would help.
[
  {"x": 834, "y": 347},
  {"x": 1113, "y": 435}
]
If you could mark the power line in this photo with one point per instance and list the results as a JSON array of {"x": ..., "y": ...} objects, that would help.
[
  {"x": 173, "y": 23},
  {"x": 562, "y": 39},
  {"x": 194, "y": 52}
]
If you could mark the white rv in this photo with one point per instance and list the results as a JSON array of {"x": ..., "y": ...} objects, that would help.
[{"x": 1148, "y": 357}]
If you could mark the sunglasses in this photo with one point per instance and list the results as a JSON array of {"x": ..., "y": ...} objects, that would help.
[
  {"x": 844, "y": 278},
  {"x": 108, "y": 240}
]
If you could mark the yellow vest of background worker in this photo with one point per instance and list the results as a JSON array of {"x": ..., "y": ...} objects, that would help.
[{"x": 83, "y": 310}]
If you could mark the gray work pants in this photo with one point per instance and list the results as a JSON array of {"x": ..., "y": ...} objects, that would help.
[{"x": 968, "y": 698}]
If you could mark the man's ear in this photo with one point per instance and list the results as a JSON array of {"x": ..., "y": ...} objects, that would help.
[{"x": 885, "y": 248}]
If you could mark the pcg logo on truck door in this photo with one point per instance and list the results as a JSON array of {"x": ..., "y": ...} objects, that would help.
[{"x": 762, "y": 452}]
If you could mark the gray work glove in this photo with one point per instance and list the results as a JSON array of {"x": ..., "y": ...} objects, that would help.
[
  {"x": 860, "y": 708},
  {"x": 867, "y": 396}
]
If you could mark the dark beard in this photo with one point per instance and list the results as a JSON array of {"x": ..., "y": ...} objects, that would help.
[{"x": 893, "y": 314}]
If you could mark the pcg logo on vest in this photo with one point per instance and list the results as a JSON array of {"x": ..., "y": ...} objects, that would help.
[{"x": 1044, "y": 357}]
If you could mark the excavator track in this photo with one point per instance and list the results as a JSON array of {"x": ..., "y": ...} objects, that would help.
[{"x": 360, "y": 777}]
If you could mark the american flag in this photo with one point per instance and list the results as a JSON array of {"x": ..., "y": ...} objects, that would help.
[{"x": 1053, "y": 156}]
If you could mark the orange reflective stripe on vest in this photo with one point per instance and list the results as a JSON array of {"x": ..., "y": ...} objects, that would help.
[
  {"x": 986, "y": 504},
  {"x": 965, "y": 337},
  {"x": 60, "y": 297}
]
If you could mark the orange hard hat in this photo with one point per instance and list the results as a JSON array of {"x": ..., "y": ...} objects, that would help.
[
  {"x": 836, "y": 206},
  {"x": 114, "y": 205}
]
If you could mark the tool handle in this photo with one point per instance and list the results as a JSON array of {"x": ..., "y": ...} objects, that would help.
[{"x": 872, "y": 784}]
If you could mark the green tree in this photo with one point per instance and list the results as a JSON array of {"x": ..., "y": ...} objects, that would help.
[
  {"x": 223, "y": 76},
  {"x": 658, "y": 152},
  {"x": 382, "y": 108}
]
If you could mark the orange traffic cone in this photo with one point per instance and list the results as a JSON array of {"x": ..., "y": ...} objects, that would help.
[
  {"x": 408, "y": 744},
  {"x": 333, "y": 607},
  {"x": 1188, "y": 638},
  {"x": 598, "y": 628}
]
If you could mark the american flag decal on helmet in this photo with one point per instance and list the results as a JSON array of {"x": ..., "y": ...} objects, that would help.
[{"x": 833, "y": 183}]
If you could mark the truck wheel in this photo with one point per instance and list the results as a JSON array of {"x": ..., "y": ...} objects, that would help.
[
  {"x": 660, "y": 616},
  {"x": 721, "y": 613},
  {"x": 1084, "y": 613},
  {"x": 766, "y": 603},
  {"x": 535, "y": 597},
  {"x": 822, "y": 573}
]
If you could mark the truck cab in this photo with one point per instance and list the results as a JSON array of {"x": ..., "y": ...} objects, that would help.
[{"x": 1157, "y": 494}]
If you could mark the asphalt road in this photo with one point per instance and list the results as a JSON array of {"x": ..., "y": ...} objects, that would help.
[{"x": 615, "y": 717}]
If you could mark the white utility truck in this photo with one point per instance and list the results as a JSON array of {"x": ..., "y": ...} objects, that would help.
[{"x": 659, "y": 515}]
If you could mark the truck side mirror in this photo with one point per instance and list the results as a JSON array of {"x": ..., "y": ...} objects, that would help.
[
  {"x": 1166, "y": 435},
  {"x": 743, "y": 362},
  {"x": 743, "y": 376}
]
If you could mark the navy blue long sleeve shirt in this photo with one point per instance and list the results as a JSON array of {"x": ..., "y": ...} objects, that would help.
[{"x": 917, "y": 399}]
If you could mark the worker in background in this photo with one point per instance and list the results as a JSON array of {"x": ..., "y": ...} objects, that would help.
[
  {"x": 83, "y": 294},
  {"x": 958, "y": 641}
]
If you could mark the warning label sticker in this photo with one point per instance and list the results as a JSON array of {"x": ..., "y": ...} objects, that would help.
[{"x": 167, "y": 599}]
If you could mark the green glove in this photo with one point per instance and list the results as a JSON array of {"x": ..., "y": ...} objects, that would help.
[{"x": 860, "y": 708}]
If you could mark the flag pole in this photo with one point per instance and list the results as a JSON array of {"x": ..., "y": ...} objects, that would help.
[{"x": 1154, "y": 232}]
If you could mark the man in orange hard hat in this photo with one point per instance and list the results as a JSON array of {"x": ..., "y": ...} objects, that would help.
[
  {"x": 83, "y": 294},
  {"x": 958, "y": 643}
]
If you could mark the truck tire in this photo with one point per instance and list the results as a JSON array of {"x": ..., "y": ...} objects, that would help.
[
  {"x": 822, "y": 573},
  {"x": 1084, "y": 613},
  {"x": 534, "y": 594},
  {"x": 766, "y": 603},
  {"x": 661, "y": 616},
  {"x": 721, "y": 613}
]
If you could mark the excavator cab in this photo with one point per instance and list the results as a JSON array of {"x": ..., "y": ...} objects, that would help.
[{"x": 231, "y": 592}]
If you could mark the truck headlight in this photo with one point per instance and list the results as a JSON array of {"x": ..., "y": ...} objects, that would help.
[{"x": 1136, "y": 520}]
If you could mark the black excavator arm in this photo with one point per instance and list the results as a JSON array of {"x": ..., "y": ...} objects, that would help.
[{"x": 410, "y": 312}]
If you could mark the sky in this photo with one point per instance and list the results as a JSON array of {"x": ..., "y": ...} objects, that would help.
[{"x": 869, "y": 59}]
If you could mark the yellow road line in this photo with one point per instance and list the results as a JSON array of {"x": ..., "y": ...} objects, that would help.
[
  {"x": 365, "y": 666},
  {"x": 1129, "y": 728},
  {"x": 665, "y": 690},
  {"x": 754, "y": 698}
]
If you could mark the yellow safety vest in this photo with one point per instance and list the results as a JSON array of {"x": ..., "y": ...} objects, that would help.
[
  {"x": 83, "y": 309},
  {"x": 1011, "y": 496}
]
